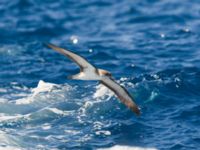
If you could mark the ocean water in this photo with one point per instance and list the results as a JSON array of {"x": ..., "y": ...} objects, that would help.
[{"x": 151, "y": 47}]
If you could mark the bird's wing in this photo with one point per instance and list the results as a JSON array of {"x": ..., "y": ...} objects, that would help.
[
  {"x": 121, "y": 93},
  {"x": 80, "y": 61}
]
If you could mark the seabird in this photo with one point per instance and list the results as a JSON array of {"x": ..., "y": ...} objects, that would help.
[{"x": 90, "y": 72}]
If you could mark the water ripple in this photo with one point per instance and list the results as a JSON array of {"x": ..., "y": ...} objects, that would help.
[{"x": 151, "y": 47}]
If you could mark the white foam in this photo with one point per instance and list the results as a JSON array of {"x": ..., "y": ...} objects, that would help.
[
  {"x": 97, "y": 125},
  {"x": 103, "y": 132},
  {"x": 9, "y": 148},
  {"x": 102, "y": 91},
  {"x": 41, "y": 87},
  {"x": 121, "y": 147},
  {"x": 3, "y": 100},
  {"x": 72, "y": 132},
  {"x": 58, "y": 111},
  {"x": 24, "y": 101},
  {"x": 46, "y": 126},
  {"x": 8, "y": 142},
  {"x": 123, "y": 79},
  {"x": 4, "y": 117}
]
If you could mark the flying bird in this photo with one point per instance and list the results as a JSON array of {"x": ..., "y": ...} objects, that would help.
[{"x": 90, "y": 72}]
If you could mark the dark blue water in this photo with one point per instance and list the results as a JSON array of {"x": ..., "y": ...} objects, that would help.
[{"x": 152, "y": 48}]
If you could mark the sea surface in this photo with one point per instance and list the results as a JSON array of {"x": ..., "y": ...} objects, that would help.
[{"x": 152, "y": 47}]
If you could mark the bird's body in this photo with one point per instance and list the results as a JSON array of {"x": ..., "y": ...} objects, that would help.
[
  {"x": 89, "y": 72},
  {"x": 85, "y": 76}
]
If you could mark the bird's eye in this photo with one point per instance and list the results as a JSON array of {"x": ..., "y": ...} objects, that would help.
[{"x": 108, "y": 74}]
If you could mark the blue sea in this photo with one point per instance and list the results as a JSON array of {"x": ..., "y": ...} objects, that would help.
[{"x": 152, "y": 48}]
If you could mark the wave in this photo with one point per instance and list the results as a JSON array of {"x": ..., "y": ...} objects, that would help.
[
  {"x": 48, "y": 103},
  {"x": 121, "y": 147}
]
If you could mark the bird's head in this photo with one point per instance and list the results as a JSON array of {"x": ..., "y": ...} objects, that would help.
[{"x": 104, "y": 73}]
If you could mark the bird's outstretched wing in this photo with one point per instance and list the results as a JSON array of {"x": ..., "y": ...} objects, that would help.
[
  {"x": 80, "y": 61},
  {"x": 121, "y": 93}
]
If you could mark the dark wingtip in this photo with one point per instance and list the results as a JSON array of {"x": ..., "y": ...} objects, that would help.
[
  {"x": 54, "y": 47},
  {"x": 49, "y": 45},
  {"x": 136, "y": 110}
]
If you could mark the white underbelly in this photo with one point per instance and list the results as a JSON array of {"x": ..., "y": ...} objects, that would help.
[{"x": 89, "y": 76}]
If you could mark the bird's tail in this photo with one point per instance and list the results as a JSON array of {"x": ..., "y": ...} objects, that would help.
[{"x": 74, "y": 77}]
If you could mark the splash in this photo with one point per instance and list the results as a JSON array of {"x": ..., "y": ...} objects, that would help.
[
  {"x": 43, "y": 92},
  {"x": 102, "y": 91},
  {"x": 120, "y": 147},
  {"x": 43, "y": 87}
]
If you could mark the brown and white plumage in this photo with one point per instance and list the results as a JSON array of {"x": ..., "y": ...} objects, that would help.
[{"x": 89, "y": 72}]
